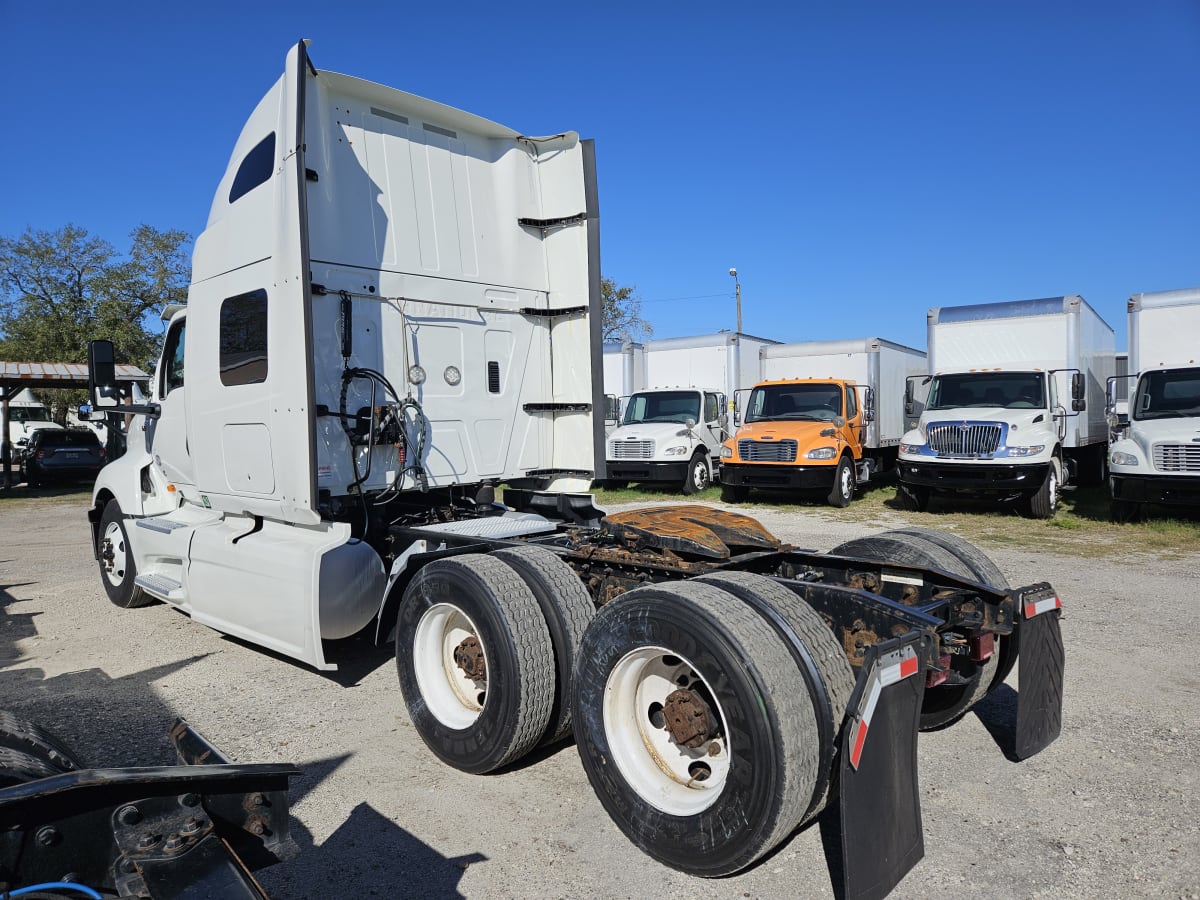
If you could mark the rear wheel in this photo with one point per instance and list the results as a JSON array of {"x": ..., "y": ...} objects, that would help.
[
  {"x": 26, "y": 737},
  {"x": 691, "y": 729},
  {"x": 697, "y": 475},
  {"x": 475, "y": 662},
  {"x": 567, "y": 609},
  {"x": 842, "y": 491},
  {"x": 970, "y": 681},
  {"x": 117, "y": 567}
]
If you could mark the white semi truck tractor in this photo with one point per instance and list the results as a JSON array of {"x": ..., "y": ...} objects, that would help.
[
  {"x": 394, "y": 310},
  {"x": 1154, "y": 450}
]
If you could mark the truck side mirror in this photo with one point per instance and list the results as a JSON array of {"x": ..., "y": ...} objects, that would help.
[
  {"x": 868, "y": 406},
  {"x": 1078, "y": 388},
  {"x": 909, "y": 407},
  {"x": 102, "y": 374}
]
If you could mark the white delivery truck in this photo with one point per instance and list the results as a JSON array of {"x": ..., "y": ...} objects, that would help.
[
  {"x": 368, "y": 349},
  {"x": 27, "y": 414},
  {"x": 672, "y": 432},
  {"x": 1013, "y": 403},
  {"x": 1154, "y": 455},
  {"x": 827, "y": 415},
  {"x": 624, "y": 373}
]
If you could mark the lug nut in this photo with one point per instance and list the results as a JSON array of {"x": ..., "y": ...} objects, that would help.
[
  {"x": 47, "y": 836},
  {"x": 147, "y": 840},
  {"x": 129, "y": 815},
  {"x": 174, "y": 843}
]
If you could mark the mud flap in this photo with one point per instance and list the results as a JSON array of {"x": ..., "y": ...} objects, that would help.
[
  {"x": 880, "y": 806},
  {"x": 1042, "y": 662}
]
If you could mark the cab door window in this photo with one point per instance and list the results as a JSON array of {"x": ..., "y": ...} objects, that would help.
[
  {"x": 172, "y": 370},
  {"x": 851, "y": 403},
  {"x": 711, "y": 408}
]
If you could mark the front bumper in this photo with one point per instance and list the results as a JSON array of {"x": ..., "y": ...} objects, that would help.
[
  {"x": 1169, "y": 490},
  {"x": 646, "y": 470},
  {"x": 965, "y": 476},
  {"x": 782, "y": 477}
]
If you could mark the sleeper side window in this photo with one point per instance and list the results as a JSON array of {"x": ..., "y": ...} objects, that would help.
[
  {"x": 256, "y": 168},
  {"x": 243, "y": 351}
]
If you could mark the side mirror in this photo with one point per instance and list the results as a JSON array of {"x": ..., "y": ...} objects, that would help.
[
  {"x": 869, "y": 406},
  {"x": 689, "y": 424},
  {"x": 1078, "y": 388},
  {"x": 910, "y": 408},
  {"x": 839, "y": 422},
  {"x": 723, "y": 420},
  {"x": 102, "y": 374},
  {"x": 1078, "y": 405}
]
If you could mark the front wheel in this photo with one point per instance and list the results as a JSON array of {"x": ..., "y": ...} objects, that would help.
[
  {"x": 697, "y": 478},
  {"x": 1043, "y": 503},
  {"x": 117, "y": 567},
  {"x": 843, "y": 484},
  {"x": 1125, "y": 511},
  {"x": 913, "y": 499},
  {"x": 734, "y": 493}
]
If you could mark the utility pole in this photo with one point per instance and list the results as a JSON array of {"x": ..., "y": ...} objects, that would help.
[{"x": 737, "y": 289}]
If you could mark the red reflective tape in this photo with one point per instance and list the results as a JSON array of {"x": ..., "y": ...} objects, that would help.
[
  {"x": 1040, "y": 606},
  {"x": 859, "y": 740},
  {"x": 908, "y": 667}
]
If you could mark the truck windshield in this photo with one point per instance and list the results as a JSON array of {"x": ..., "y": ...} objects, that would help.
[
  {"x": 988, "y": 390},
  {"x": 663, "y": 406},
  {"x": 29, "y": 414},
  {"x": 795, "y": 402},
  {"x": 1168, "y": 394}
]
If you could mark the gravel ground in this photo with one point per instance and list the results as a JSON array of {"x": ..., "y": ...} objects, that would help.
[{"x": 1106, "y": 811}]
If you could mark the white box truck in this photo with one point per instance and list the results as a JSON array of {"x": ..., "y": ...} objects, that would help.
[
  {"x": 827, "y": 416},
  {"x": 672, "y": 432},
  {"x": 1013, "y": 403},
  {"x": 1154, "y": 454},
  {"x": 370, "y": 349}
]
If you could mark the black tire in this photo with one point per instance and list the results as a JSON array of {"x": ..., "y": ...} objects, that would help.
[
  {"x": 913, "y": 498},
  {"x": 828, "y": 655},
  {"x": 946, "y": 703},
  {"x": 697, "y": 478},
  {"x": 734, "y": 493},
  {"x": 117, "y": 567},
  {"x": 17, "y": 767},
  {"x": 567, "y": 608},
  {"x": 1043, "y": 503},
  {"x": 615, "y": 484},
  {"x": 475, "y": 595},
  {"x": 24, "y": 736},
  {"x": 1125, "y": 512},
  {"x": 750, "y": 782},
  {"x": 842, "y": 491}
]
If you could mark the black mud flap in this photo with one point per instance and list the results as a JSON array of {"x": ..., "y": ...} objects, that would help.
[
  {"x": 880, "y": 806},
  {"x": 1042, "y": 662}
]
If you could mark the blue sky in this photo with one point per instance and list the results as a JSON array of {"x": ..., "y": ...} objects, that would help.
[{"x": 858, "y": 162}]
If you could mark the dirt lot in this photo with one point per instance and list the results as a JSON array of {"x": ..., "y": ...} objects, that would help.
[{"x": 1107, "y": 811}]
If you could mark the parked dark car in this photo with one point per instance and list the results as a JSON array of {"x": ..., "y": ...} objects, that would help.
[{"x": 53, "y": 455}]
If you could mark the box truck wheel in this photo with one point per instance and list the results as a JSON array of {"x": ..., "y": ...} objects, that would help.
[
  {"x": 1043, "y": 503},
  {"x": 117, "y": 567},
  {"x": 735, "y": 493},
  {"x": 697, "y": 474},
  {"x": 843, "y": 483},
  {"x": 913, "y": 498},
  {"x": 971, "y": 681},
  {"x": 567, "y": 608},
  {"x": 691, "y": 729},
  {"x": 1125, "y": 511},
  {"x": 475, "y": 662},
  {"x": 827, "y": 653},
  {"x": 27, "y": 738}
]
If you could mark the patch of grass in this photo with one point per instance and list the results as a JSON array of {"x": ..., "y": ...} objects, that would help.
[{"x": 22, "y": 497}]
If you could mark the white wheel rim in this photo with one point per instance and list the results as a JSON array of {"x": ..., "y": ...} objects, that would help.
[
  {"x": 113, "y": 563},
  {"x": 846, "y": 481},
  {"x": 455, "y": 699},
  {"x": 672, "y": 778},
  {"x": 700, "y": 476}
]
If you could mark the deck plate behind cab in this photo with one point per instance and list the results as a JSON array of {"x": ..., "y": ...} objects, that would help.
[{"x": 694, "y": 530}]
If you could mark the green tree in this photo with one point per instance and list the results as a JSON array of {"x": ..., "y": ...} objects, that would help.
[
  {"x": 622, "y": 319},
  {"x": 60, "y": 289}
]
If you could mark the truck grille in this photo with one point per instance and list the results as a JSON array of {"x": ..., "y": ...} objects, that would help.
[
  {"x": 955, "y": 439},
  {"x": 631, "y": 449},
  {"x": 1177, "y": 457},
  {"x": 767, "y": 451}
]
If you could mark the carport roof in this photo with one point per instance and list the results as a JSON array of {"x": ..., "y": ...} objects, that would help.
[{"x": 56, "y": 374}]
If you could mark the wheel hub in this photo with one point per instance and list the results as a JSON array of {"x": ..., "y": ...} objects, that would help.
[
  {"x": 688, "y": 719},
  {"x": 469, "y": 657}
]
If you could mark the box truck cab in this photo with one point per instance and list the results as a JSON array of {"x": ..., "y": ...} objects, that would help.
[
  {"x": 828, "y": 420},
  {"x": 27, "y": 414},
  {"x": 1154, "y": 451},
  {"x": 672, "y": 436},
  {"x": 1010, "y": 409}
]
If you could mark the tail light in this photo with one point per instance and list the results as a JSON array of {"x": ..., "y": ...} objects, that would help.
[
  {"x": 40, "y": 454},
  {"x": 103, "y": 454}
]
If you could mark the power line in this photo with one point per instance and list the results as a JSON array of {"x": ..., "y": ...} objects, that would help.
[{"x": 694, "y": 297}]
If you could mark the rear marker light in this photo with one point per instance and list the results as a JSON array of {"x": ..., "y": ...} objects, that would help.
[
  {"x": 983, "y": 646},
  {"x": 892, "y": 668}
]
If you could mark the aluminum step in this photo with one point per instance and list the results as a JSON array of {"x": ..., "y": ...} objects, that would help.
[
  {"x": 161, "y": 586},
  {"x": 161, "y": 525}
]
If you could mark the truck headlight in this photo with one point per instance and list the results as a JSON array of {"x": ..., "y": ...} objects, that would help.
[
  {"x": 1125, "y": 459},
  {"x": 1026, "y": 451},
  {"x": 678, "y": 450},
  {"x": 911, "y": 448},
  {"x": 821, "y": 453},
  {"x": 726, "y": 453}
]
